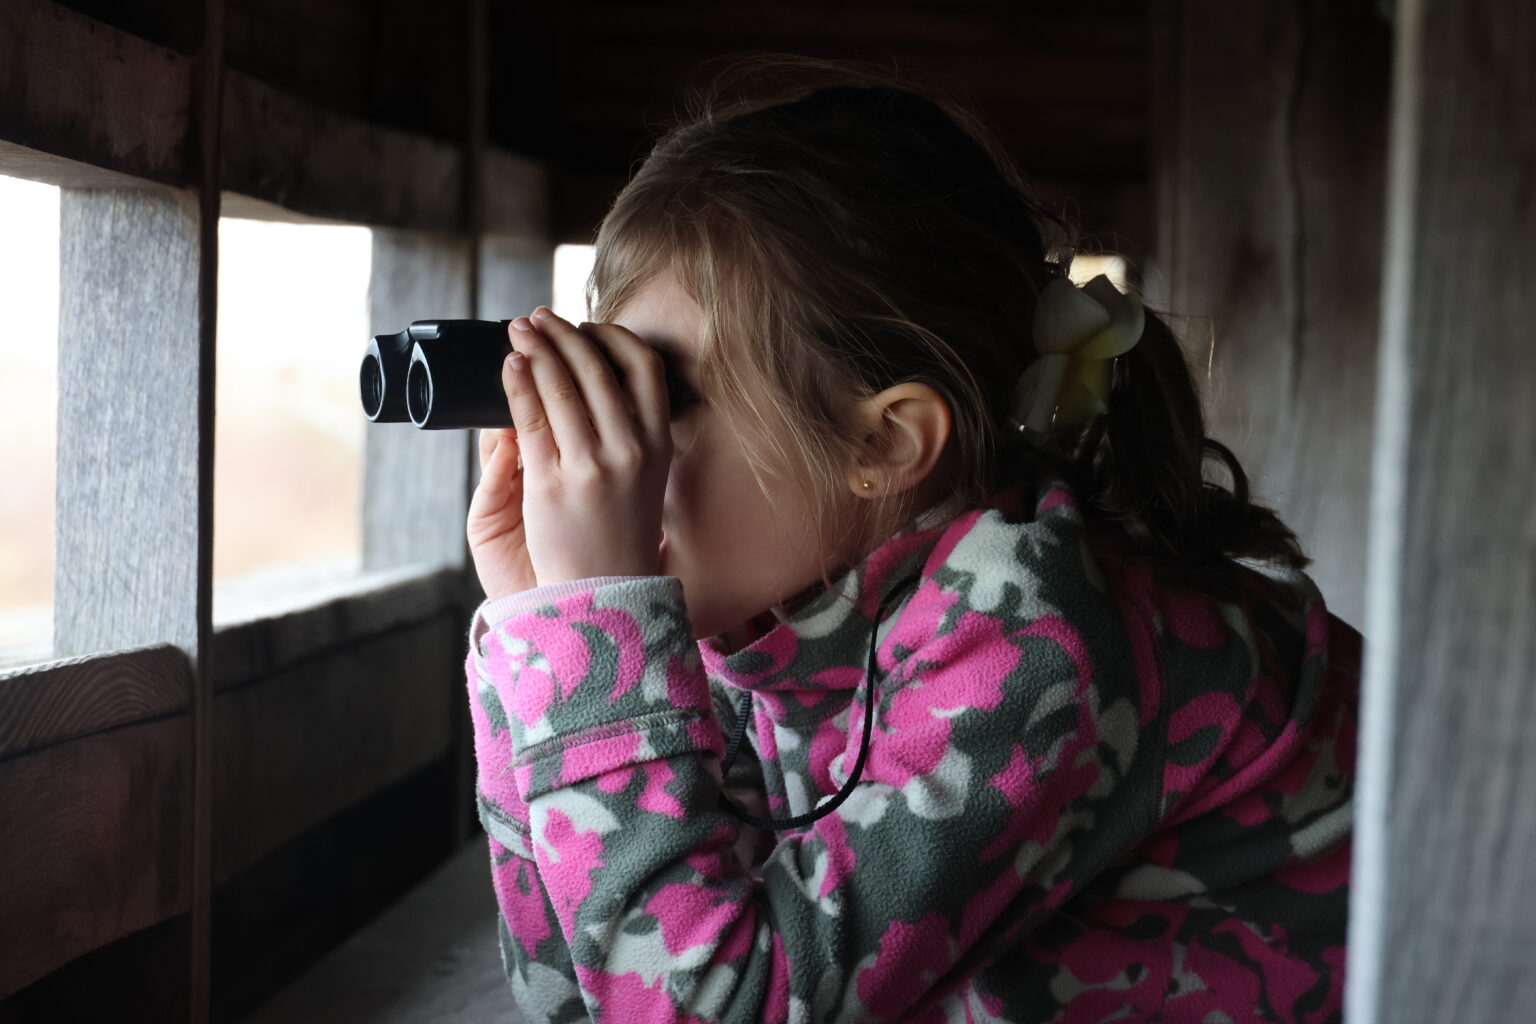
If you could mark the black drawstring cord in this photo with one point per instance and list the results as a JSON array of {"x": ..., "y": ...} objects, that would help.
[{"x": 858, "y": 766}]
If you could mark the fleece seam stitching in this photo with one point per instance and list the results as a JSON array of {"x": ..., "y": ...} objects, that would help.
[
  {"x": 607, "y": 730},
  {"x": 502, "y": 816}
]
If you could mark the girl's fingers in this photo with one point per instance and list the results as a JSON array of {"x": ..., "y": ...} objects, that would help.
[
  {"x": 592, "y": 382},
  {"x": 498, "y": 459},
  {"x": 545, "y": 394},
  {"x": 488, "y": 439},
  {"x": 644, "y": 376}
]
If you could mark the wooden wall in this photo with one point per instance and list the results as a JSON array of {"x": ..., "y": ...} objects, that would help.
[
  {"x": 1443, "y": 918},
  {"x": 1270, "y": 172},
  {"x": 194, "y": 810}
]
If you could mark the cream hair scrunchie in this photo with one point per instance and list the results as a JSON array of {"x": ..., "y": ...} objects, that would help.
[{"x": 1077, "y": 331}]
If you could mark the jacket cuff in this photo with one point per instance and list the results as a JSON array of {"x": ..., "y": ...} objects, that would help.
[
  {"x": 497, "y": 609},
  {"x": 603, "y": 678}
]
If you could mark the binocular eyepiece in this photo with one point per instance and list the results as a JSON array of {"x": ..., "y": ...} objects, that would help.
[{"x": 438, "y": 374}]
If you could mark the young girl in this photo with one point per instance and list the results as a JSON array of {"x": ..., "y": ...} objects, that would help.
[{"x": 951, "y": 691}]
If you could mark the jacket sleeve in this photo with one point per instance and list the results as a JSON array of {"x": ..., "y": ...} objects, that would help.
[
  {"x": 534, "y": 954},
  {"x": 991, "y": 793}
]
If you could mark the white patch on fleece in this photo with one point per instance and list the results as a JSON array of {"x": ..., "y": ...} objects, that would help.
[
  {"x": 545, "y": 989},
  {"x": 1155, "y": 882},
  {"x": 587, "y": 814},
  {"x": 644, "y": 953},
  {"x": 940, "y": 794}
]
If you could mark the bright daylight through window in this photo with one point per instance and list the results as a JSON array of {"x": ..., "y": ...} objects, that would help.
[
  {"x": 29, "y": 359},
  {"x": 288, "y": 437}
]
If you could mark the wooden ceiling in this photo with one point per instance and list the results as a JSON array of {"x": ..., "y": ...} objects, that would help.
[{"x": 588, "y": 85}]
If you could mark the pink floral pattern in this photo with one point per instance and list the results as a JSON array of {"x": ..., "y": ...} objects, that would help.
[{"x": 1086, "y": 796}]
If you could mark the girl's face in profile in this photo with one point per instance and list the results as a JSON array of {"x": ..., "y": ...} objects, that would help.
[{"x": 736, "y": 554}]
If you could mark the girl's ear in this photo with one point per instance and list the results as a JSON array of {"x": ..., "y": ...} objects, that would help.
[{"x": 905, "y": 433}]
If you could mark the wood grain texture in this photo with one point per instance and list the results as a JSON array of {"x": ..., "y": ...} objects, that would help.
[
  {"x": 44, "y": 705},
  {"x": 76, "y": 88},
  {"x": 1270, "y": 161},
  {"x": 94, "y": 844},
  {"x": 377, "y": 604},
  {"x": 1443, "y": 916},
  {"x": 282, "y": 148},
  {"x": 125, "y": 520},
  {"x": 415, "y": 482},
  {"x": 305, "y": 742},
  {"x": 18, "y": 161},
  {"x": 84, "y": 104}
]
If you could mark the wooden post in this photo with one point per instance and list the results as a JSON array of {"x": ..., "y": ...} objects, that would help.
[
  {"x": 1443, "y": 914},
  {"x": 134, "y": 512}
]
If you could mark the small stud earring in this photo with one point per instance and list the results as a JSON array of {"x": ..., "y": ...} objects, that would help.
[{"x": 868, "y": 485}]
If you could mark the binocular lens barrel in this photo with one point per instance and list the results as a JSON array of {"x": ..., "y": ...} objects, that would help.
[
  {"x": 438, "y": 374},
  {"x": 382, "y": 377}
]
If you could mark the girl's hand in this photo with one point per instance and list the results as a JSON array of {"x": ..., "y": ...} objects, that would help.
[
  {"x": 497, "y": 541},
  {"x": 595, "y": 452}
]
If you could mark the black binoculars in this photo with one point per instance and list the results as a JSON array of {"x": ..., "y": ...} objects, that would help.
[
  {"x": 445, "y": 375},
  {"x": 438, "y": 374}
]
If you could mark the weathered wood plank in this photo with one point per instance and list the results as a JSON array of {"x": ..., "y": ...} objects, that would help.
[
  {"x": 281, "y": 148},
  {"x": 87, "y": 105},
  {"x": 307, "y": 741},
  {"x": 94, "y": 843},
  {"x": 349, "y": 613},
  {"x": 76, "y": 88},
  {"x": 44, "y": 705},
  {"x": 127, "y": 511},
  {"x": 1269, "y": 165},
  {"x": 514, "y": 196},
  {"x": 274, "y": 919},
  {"x": 1443, "y": 917}
]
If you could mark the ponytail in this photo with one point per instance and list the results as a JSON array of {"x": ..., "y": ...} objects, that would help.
[{"x": 1139, "y": 474}]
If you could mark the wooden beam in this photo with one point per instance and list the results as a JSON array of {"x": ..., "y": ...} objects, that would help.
[
  {"x": 98, "y": 845},
  {"x": 126, "y": 545},
  {"x": 43, "y": 706},
  {"x": 86, "y": 105},
  {"x": 305, "y": 742},
  {"x": 354, "y": 611},
  {"x": 75, "y": 88},
  {"x": 282, "y": 148},
  {"x": 1053, "y": 31},
  {"x": 1443, "y": 914}
]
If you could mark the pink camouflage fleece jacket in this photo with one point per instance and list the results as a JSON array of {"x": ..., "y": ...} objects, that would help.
[{"x": 1087, "y": 796}]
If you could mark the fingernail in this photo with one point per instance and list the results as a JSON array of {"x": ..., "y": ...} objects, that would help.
[
  {"x": 522, "y": 323},
  {"x": 515, "y": 361},
  {"x": 543, "y": 313}
]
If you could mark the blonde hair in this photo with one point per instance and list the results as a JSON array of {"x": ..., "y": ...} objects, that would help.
[{"x": 844, "y": 231}]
